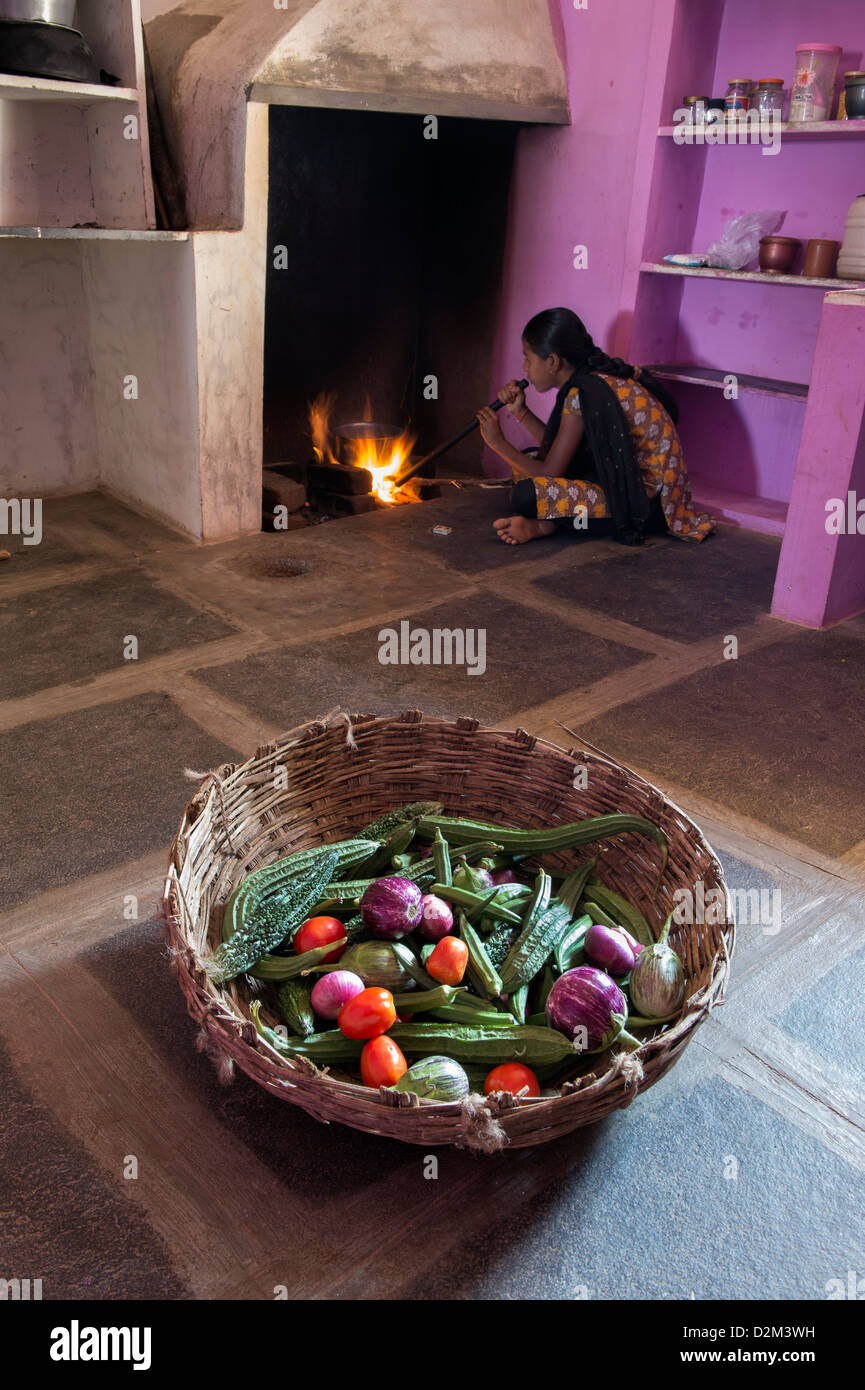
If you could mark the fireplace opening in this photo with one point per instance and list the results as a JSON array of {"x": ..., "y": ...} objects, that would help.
[{"x": 384, "y": 274}]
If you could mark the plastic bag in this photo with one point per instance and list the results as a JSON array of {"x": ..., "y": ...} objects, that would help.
[{"x": 740, "y": 240}]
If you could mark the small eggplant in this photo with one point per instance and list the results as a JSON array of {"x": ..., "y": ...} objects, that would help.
[
  {"x": 435, "y": 1078},
  {"x": 474, "y": 879},
  {"x": 657, "y": 984},
  {"x": 610, "y": 949},
  {"x": 391, "y": 907}
]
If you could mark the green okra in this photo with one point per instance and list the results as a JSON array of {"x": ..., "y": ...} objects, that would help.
[
  {"x": 290, "y": 967},
  {"x": 546, "y": 841},
  {"x": 482, "y": 969}
]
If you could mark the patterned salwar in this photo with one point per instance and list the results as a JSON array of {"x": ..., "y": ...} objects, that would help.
[{"x": 661, "y": 462}]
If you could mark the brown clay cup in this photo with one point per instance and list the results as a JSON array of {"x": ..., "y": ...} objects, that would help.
[
  {"x": 777, "y": 254},
  {"x": 820, "y": 257}
]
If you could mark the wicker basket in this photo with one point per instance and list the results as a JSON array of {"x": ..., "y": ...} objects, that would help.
[{"x": 327, "y": 779}]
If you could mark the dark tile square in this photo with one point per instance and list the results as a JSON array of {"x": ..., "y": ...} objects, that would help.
[
  {"x": 92, "y": 789},
  {"x": 75, "y": 631},
  {"x": 63, "y": 1221},
  {"x": 472, "y": 545},
  {"x": 682, "y": 590},
  {"x": 778, "y": 735},
  {"x": 646, "y": 1211},
  {"x": 529, "y": 658}
]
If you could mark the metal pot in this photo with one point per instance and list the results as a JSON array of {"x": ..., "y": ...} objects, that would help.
[
  {"x": 347, "y": 438},
  {"x": 49, "y": 11}
]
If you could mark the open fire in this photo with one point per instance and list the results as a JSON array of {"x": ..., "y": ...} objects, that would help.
[{"x": 364, "y": 445}]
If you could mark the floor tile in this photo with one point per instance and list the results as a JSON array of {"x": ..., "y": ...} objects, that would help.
[
  {"x": 93, "y": 789},
  {"x": 777, "y": 735},
  {"x": 683, "y": 591},
  {"x": 79, "y": 630},
  {"x": 302, "y": 682}
]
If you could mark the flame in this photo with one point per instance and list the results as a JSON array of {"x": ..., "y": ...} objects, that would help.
[
  {"x": 384, "y": 459},
  {"x": 320, "y": 412}
]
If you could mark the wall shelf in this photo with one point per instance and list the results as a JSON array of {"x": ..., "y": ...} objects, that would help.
[
  {"x": 740, "y": 509},
  {"x": 49, "y": 89},
  {"x": 801, "y": 130},
  {"x": 712, "y": 377},
  {"x": 757, "y": 276},
  {"x": 87, "y": 234}
]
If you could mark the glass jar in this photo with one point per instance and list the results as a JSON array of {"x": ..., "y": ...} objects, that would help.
[
  {"x": 738, "y": 94},
  {"x": 716, "y": 111},
  {"x": 768, "y": 96}
]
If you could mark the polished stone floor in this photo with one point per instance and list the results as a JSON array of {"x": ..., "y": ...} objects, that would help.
[{"x": 739, "y": 1175}]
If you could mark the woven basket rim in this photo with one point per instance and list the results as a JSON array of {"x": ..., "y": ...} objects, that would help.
[{"x": 231, "y": 1032}]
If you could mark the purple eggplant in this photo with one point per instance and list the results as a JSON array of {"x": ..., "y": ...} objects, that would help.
[
  {"x": 587, "y": 1006},
  {"x": 610, "y": 948},
  {"x": 392, "y": 907}
]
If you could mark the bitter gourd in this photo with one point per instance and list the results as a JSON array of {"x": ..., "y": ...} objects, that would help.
[{"x": 261, "y": 928}]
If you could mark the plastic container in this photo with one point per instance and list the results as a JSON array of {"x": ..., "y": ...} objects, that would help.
[
  {"x": 814, "y": 83},
  {"x": 851, "y": 259}
]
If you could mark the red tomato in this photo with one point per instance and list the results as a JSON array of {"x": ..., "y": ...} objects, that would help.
[
  {"x": 511, "y": 1076},
  {"x": 317, "y": 931},
  {"x": 368, "y": 1014},
  {"x": 447, "y": 963},
  {"x": 381, "y": 1062}
]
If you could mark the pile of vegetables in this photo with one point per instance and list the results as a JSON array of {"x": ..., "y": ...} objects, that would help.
[{"x": 440, "y": 940}]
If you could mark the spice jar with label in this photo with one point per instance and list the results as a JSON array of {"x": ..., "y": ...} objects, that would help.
[
  {"x": 738, "y": 94},
  {"x": 768, "y": 96}
]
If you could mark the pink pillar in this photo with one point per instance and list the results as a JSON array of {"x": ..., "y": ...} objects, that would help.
[{"x": 821, "y": 574}]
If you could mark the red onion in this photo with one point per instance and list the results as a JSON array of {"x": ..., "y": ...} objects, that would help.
[
  {"x": 586, "y": 1005},
  {"x": 333, "y": 990},
  {"x": 392, "y": 907},
  {"x": 505, "y": 876},
  {"x": 437, "y": 919},
  {"x": 610, "y": 948}
]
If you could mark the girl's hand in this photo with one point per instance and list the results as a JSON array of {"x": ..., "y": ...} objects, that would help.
[
  {"x": 490, "y": 427},
  {"x": 514, "y": 397}
]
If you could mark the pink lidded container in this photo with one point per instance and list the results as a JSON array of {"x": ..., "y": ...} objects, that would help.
[{"x": 814, "y": 83}]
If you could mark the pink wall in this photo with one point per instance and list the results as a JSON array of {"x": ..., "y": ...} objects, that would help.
[{"x": 574, "y": 186}]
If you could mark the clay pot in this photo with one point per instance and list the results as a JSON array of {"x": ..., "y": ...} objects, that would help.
[
  {"x": 777, "y": 254},
  {"x": 820, "y": 257}
]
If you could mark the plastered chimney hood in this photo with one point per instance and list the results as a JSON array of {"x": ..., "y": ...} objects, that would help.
[{"x": 489, "y": 59}]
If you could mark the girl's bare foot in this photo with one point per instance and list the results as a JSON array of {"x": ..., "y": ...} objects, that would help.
[{"x": 516, "y": 530}]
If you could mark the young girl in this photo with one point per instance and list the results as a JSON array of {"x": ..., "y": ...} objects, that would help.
[{"x": 609, "y": 449}]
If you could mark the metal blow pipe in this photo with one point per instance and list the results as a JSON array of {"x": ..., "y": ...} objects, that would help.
[{"x": 443, "y": 448}]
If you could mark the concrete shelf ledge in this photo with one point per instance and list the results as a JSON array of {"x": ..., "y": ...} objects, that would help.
[
  {"x": 713, "y": 377},
  {"x": 811, "y": 130},
  {"x": 88, "y": 234},
  {"x": 51, "y": 89},
  {"x": 804, "y": 282}
]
